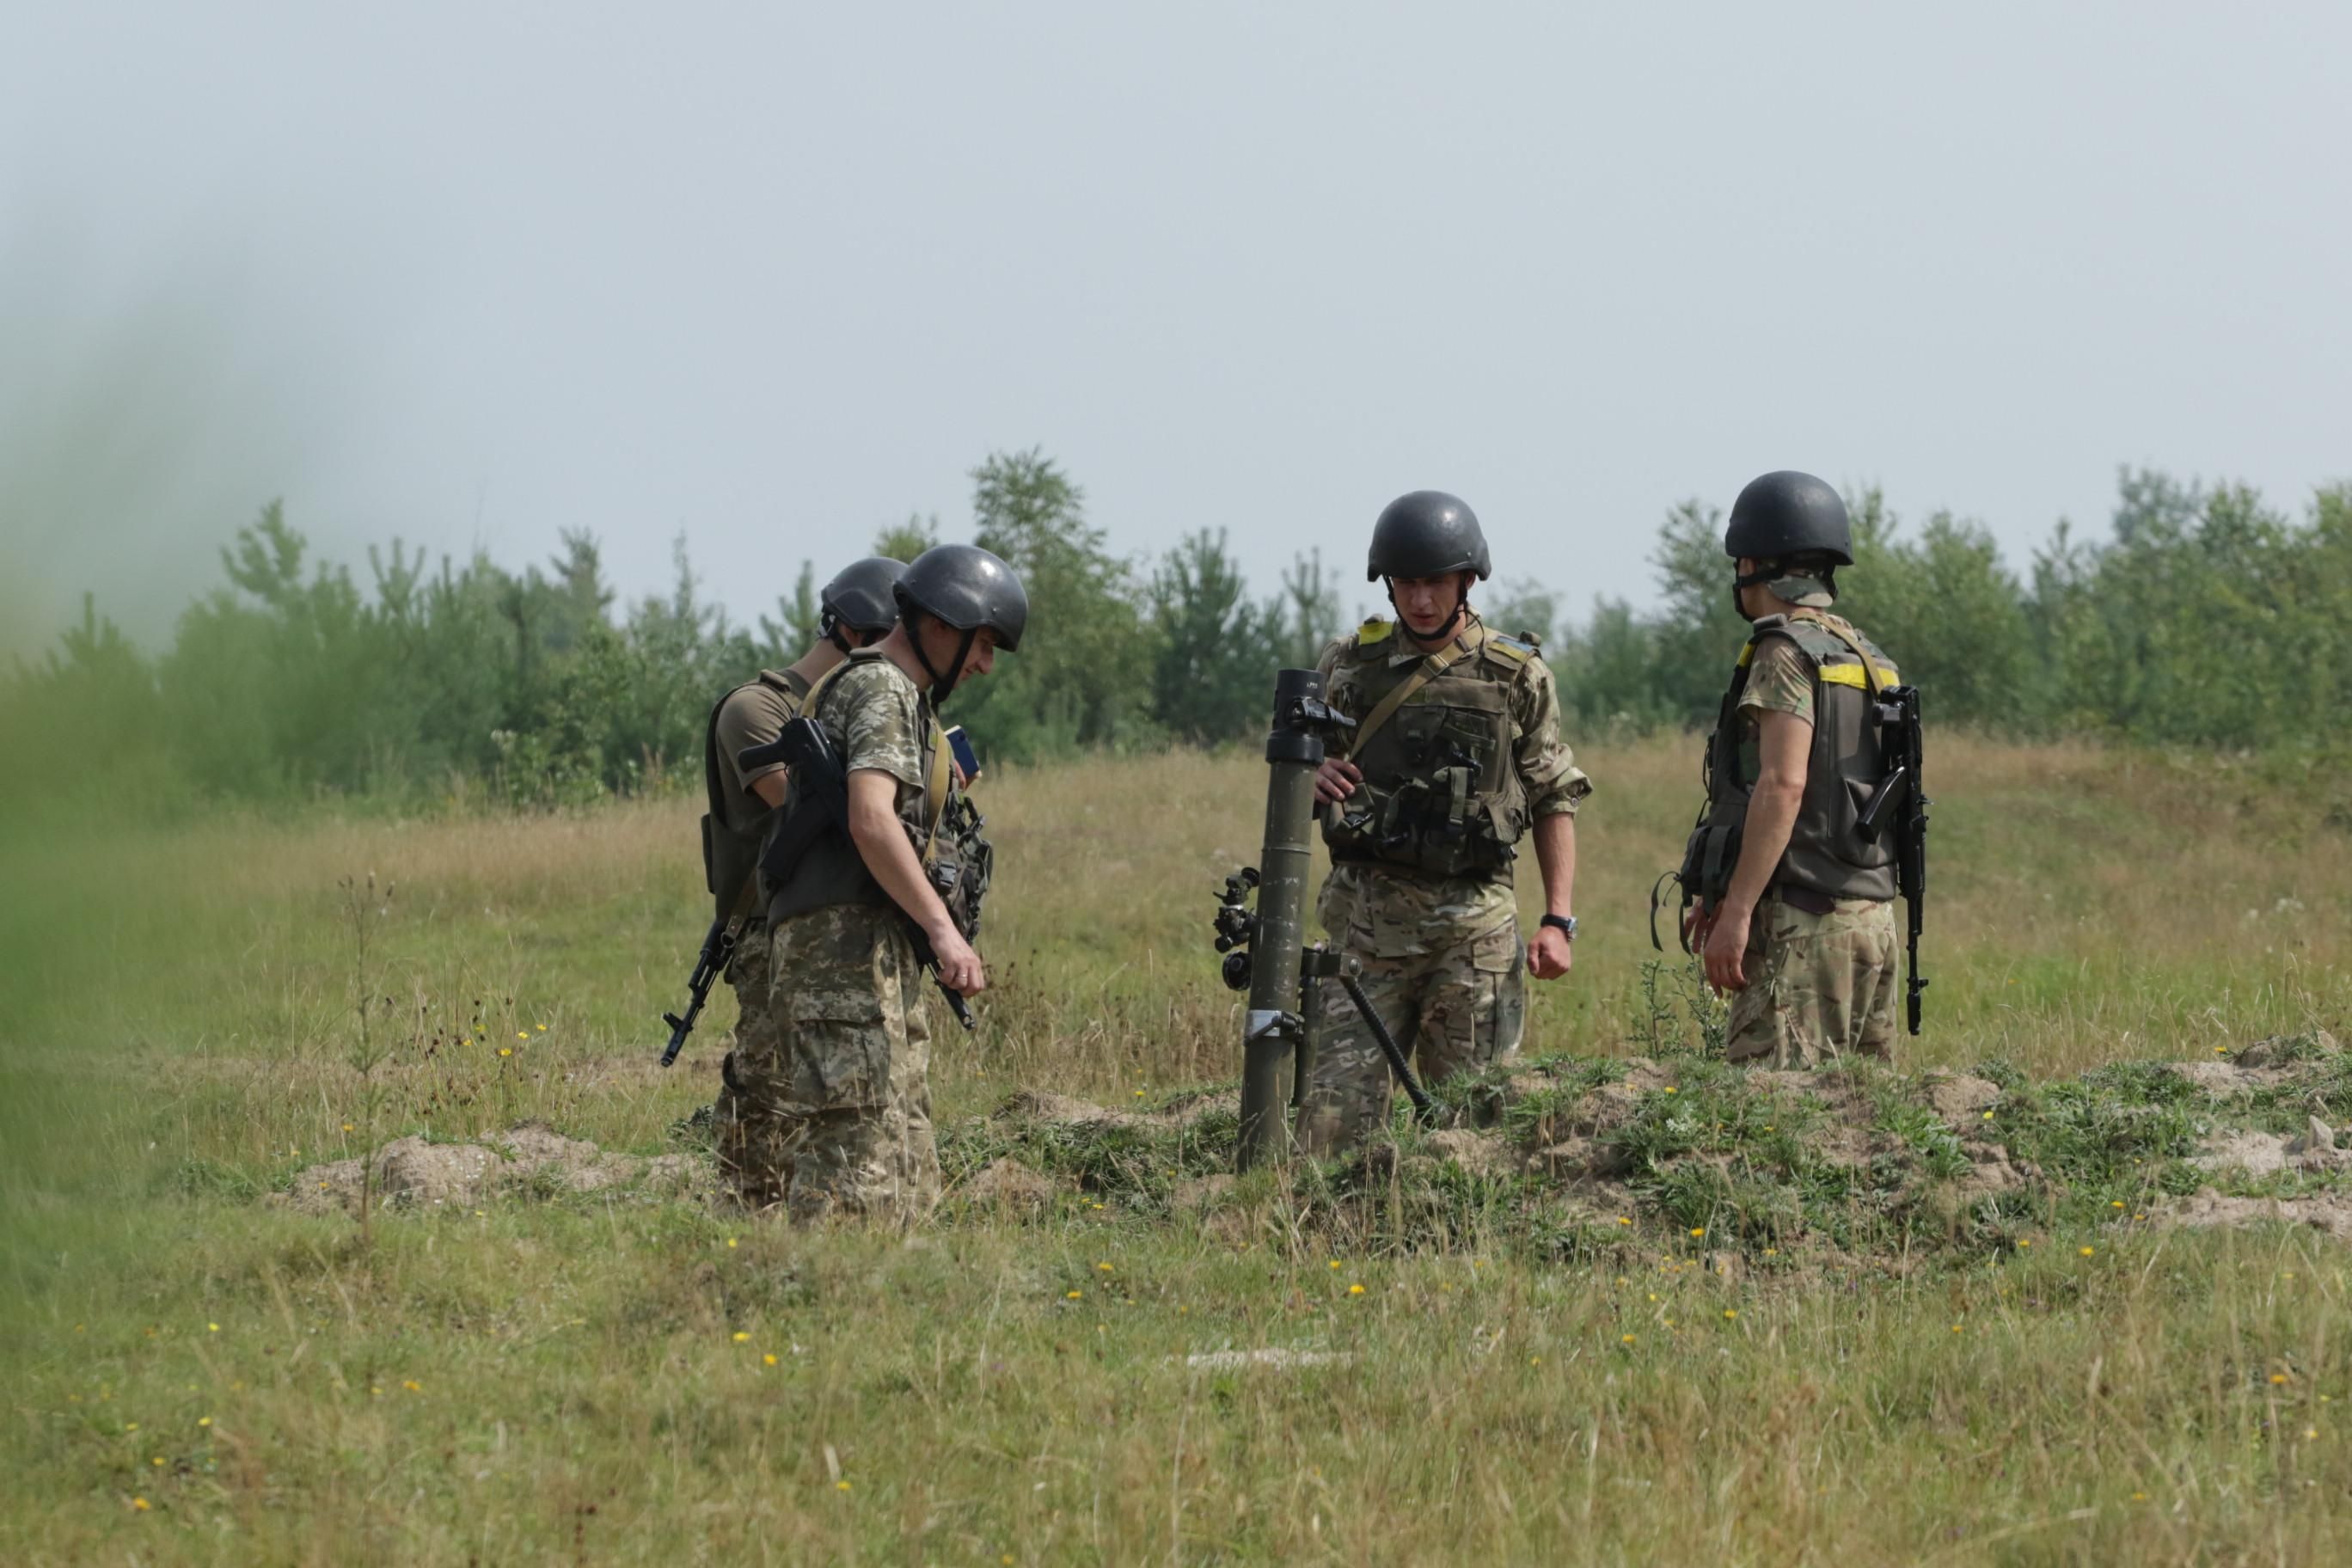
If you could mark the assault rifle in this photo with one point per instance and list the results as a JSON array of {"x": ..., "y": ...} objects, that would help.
[
  {"x": 819, "y": 803},
  {"x": 1903, "y": 791},
  {"x": 718, "y": 948}
]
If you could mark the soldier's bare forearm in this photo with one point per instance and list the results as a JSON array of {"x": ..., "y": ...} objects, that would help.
[
  {"x": 1784, "y": 743},
  {"x": 1556, "y": 858},
  {"x": 882, "y": 843}
]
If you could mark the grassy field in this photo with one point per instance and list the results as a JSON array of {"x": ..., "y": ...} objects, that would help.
[{"x": 195, "y": 1375}]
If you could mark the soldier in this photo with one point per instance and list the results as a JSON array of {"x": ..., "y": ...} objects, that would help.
[
  {"x": 1456, "y": 756},
  {"x": 1795, "y": 915},
  {"x": 851, "y": 1096},
  {"x": 855, "y": 610}
]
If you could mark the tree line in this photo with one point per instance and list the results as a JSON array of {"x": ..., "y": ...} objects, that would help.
[{"x": 2207, "y": 618}]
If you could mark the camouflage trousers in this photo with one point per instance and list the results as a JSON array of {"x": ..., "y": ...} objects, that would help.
[
  {"x": 841, "y": 1116},
  {"x": 1452, "y": 1011},
  {"x": 757, "y": 1050},
  {"x": 1819, "y": 986}
]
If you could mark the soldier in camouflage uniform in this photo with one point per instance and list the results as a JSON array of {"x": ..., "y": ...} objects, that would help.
[
  {"x": 1796, "y": 916},
  {"x": 1456, "y": 756},
  {"x": 850, "y": 1091},
  {"x": 854, "y": 610}
]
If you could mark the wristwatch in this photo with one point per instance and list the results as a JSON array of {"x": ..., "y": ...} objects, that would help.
[{"x": 1564, "y": 924}]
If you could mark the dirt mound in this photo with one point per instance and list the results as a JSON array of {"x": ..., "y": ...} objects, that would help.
[
  {"x": 1586, "y": 1157},
  {"x": 2330, "y": 1212},
  {"x": 1010, "y": 1184},
  {"x": 1038, "y": 1107},
  {"x": 528, "y": 1160}
]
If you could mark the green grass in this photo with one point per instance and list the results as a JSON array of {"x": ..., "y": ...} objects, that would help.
[{"x": 1844, "y": 1367}]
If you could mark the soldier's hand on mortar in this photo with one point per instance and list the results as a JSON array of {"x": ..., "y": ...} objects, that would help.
[
  {"x": 1549, "y": 953},
  {"x": 1335, "y": 780},
  {"x": 1725, "y": 953},
  {"x": 958, "y": 966}
]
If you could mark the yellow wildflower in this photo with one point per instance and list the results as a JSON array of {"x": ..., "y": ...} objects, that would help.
[
  {"x": 1355, "y": 1290},
  {"x": 140, "y": 1503},
  {"x": 742, "y": 1338}
]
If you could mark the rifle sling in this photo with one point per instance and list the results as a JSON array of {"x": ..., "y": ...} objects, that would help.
[{"x": 1433, "y": 666}]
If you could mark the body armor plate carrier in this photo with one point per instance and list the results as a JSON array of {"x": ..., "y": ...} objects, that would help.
[
  {"x": 1829, "y": 853},
  {"x": 1440, "y": 792}
]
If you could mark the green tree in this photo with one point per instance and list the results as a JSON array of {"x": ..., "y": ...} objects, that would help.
[
  {"x": 905, "y": 540},
  {"x": 1215, "y": 652},
  {"x": 1082, "y": 675}
]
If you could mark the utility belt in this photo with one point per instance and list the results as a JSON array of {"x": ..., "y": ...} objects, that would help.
[{"x": 1710, "y": 856}]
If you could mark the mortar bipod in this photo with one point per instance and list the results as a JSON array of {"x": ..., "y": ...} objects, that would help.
[{"x": 1301, "y": 1027}]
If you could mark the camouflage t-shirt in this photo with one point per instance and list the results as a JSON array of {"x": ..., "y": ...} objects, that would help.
[
  {"x": 1780, "y": 680},
  {"x": 1387, "y": 911},
  {"x": 878, "y": 717}
]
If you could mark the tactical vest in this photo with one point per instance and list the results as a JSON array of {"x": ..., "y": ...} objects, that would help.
[
  {"x": 1828, "y": 853},
  {"x": 730, "y": 855},
  {"x": 940, "y": 819},
  {"x": 1433, "y": 739}
]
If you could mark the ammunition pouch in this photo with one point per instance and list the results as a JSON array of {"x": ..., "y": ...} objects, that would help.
[
  {"x": 961, "y": 865},
  {"x": 1708, "y": 859},
  {"x": 1437, "y": 818}
]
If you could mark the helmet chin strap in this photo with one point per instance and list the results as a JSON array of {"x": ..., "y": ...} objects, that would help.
[
  {"x": 942, "y": 686},
  {"x": 1443, "y": 633},
  {"x": 1766, "y": 571}
]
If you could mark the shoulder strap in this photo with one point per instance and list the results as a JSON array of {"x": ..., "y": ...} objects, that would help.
[
  {"x": 1431, "y": 668},
  {"x": 710, "y": 784},
  {"x": 1869, "y": 665},
  {"x": 937, "y": 782}
]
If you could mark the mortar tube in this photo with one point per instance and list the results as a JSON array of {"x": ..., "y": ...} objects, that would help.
[{"x": 1293, "y": 752}]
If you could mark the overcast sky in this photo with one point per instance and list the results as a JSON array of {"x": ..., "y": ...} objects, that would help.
[{"x": 775, "y": 276}]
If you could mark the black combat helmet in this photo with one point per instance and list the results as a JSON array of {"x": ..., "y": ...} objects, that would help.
[
  {"x": 1788, "y": 516},
  {"x": 859, "y": 598},
  {"x": 965, "y": 587},
  {"x": 1427, "y": 534}
]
